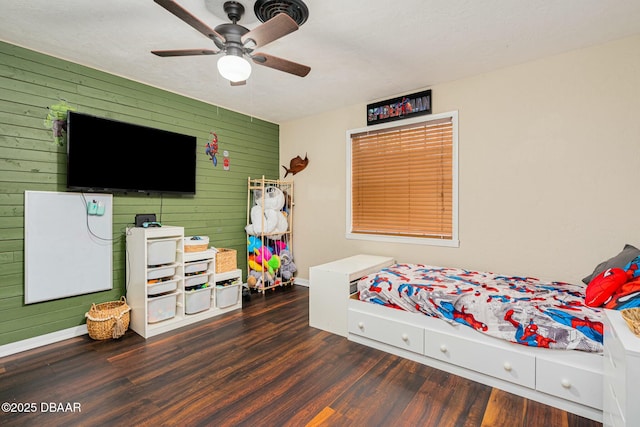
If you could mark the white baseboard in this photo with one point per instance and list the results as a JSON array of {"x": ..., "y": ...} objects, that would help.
[
  {"x": 301, "y": 282},
  {"x": 30, "y": 343}
]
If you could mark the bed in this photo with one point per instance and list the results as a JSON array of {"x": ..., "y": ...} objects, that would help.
[
  {"x": 522, "y": 310},
  {"x": 529, "y": 337}
]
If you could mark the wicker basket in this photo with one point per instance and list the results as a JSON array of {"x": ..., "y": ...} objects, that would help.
[
  {"x": 195, "y": 248},
  {"x": 632, "y": 317},
  {"x": 196, "y": 243},
  {"x": 225, "y": 260},
  {"x": 108, "y": 319}
]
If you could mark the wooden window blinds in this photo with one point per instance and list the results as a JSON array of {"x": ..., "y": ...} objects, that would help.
[{"x": 402, "y": 180}]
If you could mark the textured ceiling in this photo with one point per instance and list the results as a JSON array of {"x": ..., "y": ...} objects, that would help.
[{"x": 359, "y": 51}]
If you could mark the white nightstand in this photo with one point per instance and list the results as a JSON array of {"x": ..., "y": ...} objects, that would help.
[
  {"x": 621, "y": 372},
  {"x": 329, "y": 289}
]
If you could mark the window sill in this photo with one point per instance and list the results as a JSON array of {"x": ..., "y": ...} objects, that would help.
[{"x": 453, "y": 243}]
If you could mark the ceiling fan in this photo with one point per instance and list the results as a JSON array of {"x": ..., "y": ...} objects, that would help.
[{"x": 237, "y": 42}]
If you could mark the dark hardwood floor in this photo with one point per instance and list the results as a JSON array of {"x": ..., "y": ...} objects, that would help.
[{"x": 259, "y": 366}]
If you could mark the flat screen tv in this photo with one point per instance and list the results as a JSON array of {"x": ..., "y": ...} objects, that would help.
[{"x": 105, "y": 155}]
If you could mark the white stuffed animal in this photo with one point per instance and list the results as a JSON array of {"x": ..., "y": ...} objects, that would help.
[{"x": 269, "y": 218}]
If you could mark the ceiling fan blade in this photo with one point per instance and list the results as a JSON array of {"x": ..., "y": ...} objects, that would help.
[
  {"x": 276, "y": 27},
  {"x": 190, "y": 19},
  {"x": 241, "y": 83},
  {"x": 184, "y": 52},
  {"x": 280, "y": 64}
]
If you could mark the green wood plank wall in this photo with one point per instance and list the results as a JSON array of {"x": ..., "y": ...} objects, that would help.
[{"x": 31, "y": 160}]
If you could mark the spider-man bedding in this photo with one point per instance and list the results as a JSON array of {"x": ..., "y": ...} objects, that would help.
[{"x": 522, "y": 310}]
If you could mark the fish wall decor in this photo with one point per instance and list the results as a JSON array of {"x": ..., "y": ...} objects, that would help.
[{"x": 297, "y": 164}]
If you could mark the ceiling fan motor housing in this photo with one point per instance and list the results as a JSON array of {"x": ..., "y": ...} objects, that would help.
[{"x": 232, "y": 32}]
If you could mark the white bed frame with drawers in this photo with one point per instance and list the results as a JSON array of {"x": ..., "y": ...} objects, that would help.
[{"x": 568, "y": 380}]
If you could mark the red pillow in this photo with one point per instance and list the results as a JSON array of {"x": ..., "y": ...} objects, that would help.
[{"x": 604, "y": 285}]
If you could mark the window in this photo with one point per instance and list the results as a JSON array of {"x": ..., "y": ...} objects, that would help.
[{"x": 402, "y": 181}]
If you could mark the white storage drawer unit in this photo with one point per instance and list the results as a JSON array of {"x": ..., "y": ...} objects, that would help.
[
  {"x": 162, "y": 307},
  {"x": 197, "y": 300},
  {"x": 198, "y": 279},
  {"x": 196, "y": 267},
  {"x": 228, "y": 289},
  {"x": 399, "y": 334},
  {"x": 161, "y": 281},
  {"x": 161, "y": 272},
  {"x": 227, "y": 296},
  {"x": 161, "y": 251},
  {"x": 162, "y": 287},
  {"x": 499, "y": 362},
  {"x": 569, "y": 382}
]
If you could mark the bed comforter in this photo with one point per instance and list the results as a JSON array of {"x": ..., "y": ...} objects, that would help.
[{"x": 522, "y": 310}]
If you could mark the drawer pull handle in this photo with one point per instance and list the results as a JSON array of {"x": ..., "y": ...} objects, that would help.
[
  {"x": 405, "y": 337},
  {"x": 565, "y": 383},
  {"x": 443, "y": 348},
  {"x": 361, "y": 325},
  {"x": 507, "y": 366}
]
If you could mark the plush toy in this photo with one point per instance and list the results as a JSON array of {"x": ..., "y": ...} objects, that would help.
[
  {"x": 253, "y": 244},
  {"x": 279, "y": 246},
  {"x": 253, "y": 264},
  {"x": 273, "y": 264},
  {"x": 253, "y": 279},
  {"x": 604, "y": 285},
  {"x": 615, "y": 288},
  {"x": 266, "y": 215},
  {"x": 263, "y": 255},
  {"x": 287, "y": 267}
]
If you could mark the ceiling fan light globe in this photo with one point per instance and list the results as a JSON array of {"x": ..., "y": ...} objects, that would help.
[{"x": 234, "y": 68}]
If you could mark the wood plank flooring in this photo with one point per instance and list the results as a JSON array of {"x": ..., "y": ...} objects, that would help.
[{"x": 259, "y": 366}]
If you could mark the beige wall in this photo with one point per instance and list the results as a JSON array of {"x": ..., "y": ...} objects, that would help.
[{"x": 549, "y": 164}]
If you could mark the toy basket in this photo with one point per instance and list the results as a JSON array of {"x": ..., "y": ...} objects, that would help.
[
  {"x": 108, "y": 319},
  {"x": 225, "y": 260},
  {"x": 195, "y": 248},
  {"x": 632, "y": 317},
  {"x": 196, "y": 243}
]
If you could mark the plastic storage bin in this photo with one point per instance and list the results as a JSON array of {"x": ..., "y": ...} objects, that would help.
[
  {"x": 197, "y": 300},
  {"x": 160, "y": 272},
  {"x": 161, "y": 252},
  {"x": 198, "y": 279},
  {"x": 227, "y": 296},
  {"x": 161, "y": 307},
  {"x": 162, "y": 287},
  {"x": 196, "y": 267}
]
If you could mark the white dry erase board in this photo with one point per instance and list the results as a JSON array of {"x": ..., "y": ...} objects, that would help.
[{"x": 67, "y": 251}]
